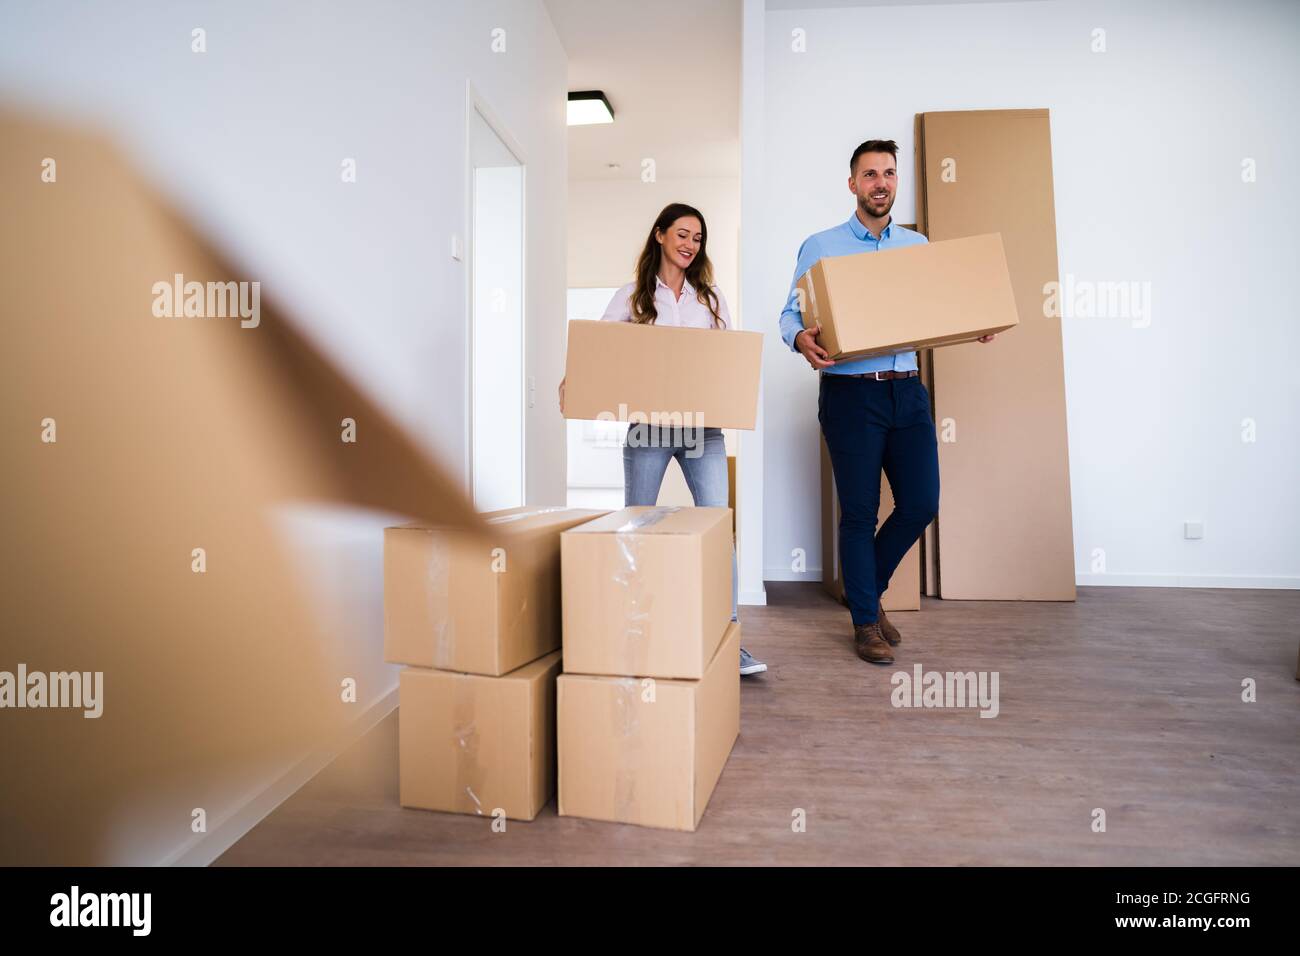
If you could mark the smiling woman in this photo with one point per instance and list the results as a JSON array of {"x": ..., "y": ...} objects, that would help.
[{"x": 675, "y": 258}]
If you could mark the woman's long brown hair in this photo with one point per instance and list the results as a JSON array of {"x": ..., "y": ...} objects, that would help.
[{"x": 699, "y": 273}]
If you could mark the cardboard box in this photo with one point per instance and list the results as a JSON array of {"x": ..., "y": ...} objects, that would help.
[
  {"x": 647, "y": 591},
  {"x": 484, "y": 605},
  {"x": 664, "y": 375},
  {"x": 904, "y": 592},
  {"x": 1005, "y": 530},
  {"x": 645, "y": 751},
  {"x": 877, "y": 303},
  {"x": 474, "y": 744}
]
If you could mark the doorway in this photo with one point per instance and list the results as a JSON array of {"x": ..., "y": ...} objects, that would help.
[{"x": 496, "y": 253}]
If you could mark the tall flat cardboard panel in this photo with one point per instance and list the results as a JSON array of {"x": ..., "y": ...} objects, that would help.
[
  {"x": 1004, "y": 526},
  {"x": 904, "y": 592}
]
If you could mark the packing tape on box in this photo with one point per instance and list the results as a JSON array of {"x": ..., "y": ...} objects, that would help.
[
  {"x": 812, "y": 297},
  {"x": 627, "y": 725},
  {"x": 469, "y": 775},
  {"x": 438, "y": 594},
  {"x": 503, "y": 519},
  {"x": 627, "y": 575}
]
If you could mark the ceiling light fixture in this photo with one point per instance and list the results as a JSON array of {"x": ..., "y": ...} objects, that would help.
[{"x": 588, "y": 107}]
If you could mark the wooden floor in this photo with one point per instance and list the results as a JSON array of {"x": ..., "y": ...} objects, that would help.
[{"x": 1128, "y": 700}]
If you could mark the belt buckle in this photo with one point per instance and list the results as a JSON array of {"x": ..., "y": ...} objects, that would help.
[{"x": 876, "y": 376}]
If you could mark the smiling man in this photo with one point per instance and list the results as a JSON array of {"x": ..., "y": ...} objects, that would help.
[{"x": 874, "y": 412}]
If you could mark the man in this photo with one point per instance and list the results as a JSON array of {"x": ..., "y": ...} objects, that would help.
[{"x": 874, "y": 413}]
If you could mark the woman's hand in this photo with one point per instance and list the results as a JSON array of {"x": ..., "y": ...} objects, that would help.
[
  {"x": 562, "y": 381},
  {"x": 986, "y": 339}
]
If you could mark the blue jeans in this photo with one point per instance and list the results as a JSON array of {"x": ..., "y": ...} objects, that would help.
[
  {"x": 704, "y": 465},
  {"x": 870, "y": 424}
]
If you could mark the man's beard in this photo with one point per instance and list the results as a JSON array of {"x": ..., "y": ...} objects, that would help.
[{"x": 862, "y": 204}]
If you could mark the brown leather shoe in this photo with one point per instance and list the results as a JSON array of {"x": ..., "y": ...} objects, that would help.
[
  {"x": 870, "y": 644},
  {"x": 887, "y": 629}
]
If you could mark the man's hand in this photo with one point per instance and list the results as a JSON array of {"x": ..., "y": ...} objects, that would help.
[
  {"x": 806, "y": 343},
  {"x": 986, "y": 339}
]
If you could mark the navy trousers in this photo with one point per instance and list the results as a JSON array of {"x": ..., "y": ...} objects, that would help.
[{"x": 870, "y": 425}]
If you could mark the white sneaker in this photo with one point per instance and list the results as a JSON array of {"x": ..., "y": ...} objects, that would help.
[{"x": 749, "y": 665}]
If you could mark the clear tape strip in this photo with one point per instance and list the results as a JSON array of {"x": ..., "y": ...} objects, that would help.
[
  {"x": 651, "y": 516},
  {"x": 438, "y": 594},
  {"x": 627, "y": 725},
  {"x": 638, "y": 598},
  {"x": 503, "y": 519},
  {"x": 812, "y": 297},
  {"x": 469, "y": 776}
]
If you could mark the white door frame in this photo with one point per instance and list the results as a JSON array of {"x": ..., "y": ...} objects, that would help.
[{"x": 474, "y": 102}]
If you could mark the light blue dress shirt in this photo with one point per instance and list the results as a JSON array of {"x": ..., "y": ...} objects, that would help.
[{"x": 847, "y": 239}]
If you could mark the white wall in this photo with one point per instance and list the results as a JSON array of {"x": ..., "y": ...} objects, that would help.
[
  {"x": 609, "y": 220},
  {"x": 1148, "y": 140},
  {"x": 249, "y": 138}
]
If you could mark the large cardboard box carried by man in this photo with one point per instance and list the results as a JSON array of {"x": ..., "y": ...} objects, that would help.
[{"x": 941, "y": 293}]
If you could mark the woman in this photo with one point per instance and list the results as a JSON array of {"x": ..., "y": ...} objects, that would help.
[{"x": 674, "y": 286}]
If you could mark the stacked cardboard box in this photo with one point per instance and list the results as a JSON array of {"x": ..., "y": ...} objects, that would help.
[
  {"x": 649, "y": 701},
  {"x": 479, "y": 620}
]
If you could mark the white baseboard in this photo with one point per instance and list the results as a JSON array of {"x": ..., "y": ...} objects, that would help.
[
  {"x": 785, "y": 574},
  {"x": 1188, "y": 581},
  {"x": 1108, "y": 580},
  {"x": 206, "y": 847},
  {"x": 752, "y": 598}
]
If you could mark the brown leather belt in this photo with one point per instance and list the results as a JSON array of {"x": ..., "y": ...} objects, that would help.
[{"x": 878, "y": 376}]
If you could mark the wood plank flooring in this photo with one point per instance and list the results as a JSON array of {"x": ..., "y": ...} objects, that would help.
[{"x": 1128, "y": 700}]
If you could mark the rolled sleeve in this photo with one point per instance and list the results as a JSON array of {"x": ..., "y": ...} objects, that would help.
[{"x": 791, "y": 317}]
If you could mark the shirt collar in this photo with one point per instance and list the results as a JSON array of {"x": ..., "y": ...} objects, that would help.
[
  {"x": 687, "y": 288},
  {"x": 860, "y": 231}
]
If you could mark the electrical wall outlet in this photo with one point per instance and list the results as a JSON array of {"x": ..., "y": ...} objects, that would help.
[{"x": 1193, "y": 530}]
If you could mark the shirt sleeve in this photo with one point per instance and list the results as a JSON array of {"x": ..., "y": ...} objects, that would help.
[
  {"x": 791, "y": 317},
  {"x": 620, "y": 306}
]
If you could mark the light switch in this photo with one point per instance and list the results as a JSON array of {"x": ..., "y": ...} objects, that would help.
[
  {"x": 1193, "y": 530},
  {"x": 457, "y": 248}
]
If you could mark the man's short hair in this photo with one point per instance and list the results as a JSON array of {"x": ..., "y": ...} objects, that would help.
[{"x": 873, "y": 146}]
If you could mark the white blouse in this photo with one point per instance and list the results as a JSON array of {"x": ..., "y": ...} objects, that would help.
[{"x": 687, "y": 311}]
